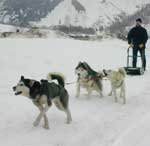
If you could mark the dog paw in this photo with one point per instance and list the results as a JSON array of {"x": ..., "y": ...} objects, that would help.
[
  {"x": 121, "y": 96},
  {"x": 46, "y": 127},
  {"x": 109, "y": 94},
  {"x": 101, "y": 96},
  {"x": 35, "y": 124},
  {"x": 77, "y": 96},
  {"x": 68, "y": 121},
  {"x": 116, "y": 101},
  {"x": 88, "y": 97},
  {"x": 124, "y": 101}
]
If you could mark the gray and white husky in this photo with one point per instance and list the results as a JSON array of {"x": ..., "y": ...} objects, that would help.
[
  {"x": 88, "y": 79},
  {"x": 43, "y": 93}
]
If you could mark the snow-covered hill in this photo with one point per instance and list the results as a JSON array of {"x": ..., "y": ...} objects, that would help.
[
  {"x": 96, "y": 121},
  {"x": 95, "y": 12},
  {"x": 23, "y": 11},
  {"x": 67, "y": 12}
]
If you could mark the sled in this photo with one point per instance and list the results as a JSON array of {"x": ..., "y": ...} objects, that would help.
[{"x": 133, "y": 70}]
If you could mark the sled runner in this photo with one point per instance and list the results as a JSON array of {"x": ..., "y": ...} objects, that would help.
[{"x": 133, "y": 70}]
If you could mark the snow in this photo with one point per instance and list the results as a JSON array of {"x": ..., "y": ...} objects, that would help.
[
  {"x": 65, "y": 13},
  {"x": 103, "y": 12},
  {"x": 29, "y": 32},
  {"x": 7, "y": 28},
  {"x": 96, "y": 121},
  {"x": 129, "y": 6}
]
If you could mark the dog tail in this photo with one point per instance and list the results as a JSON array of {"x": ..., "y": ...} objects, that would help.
[
  {"x": 56, "y": 76},
  {"x": 122, "y": 71}
]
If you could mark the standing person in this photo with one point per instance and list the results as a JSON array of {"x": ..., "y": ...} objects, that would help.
[{"x": 137, "y": 38}]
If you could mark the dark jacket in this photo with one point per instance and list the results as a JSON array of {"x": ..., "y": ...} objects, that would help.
[{"x": 137, "y": 35}]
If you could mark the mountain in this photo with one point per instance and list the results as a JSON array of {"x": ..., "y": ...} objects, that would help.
[
  {"x": 97, "y": 13},
  {"x": 21, "y": 12},
  {"x": 80, "y": 14},
  {"x": 85, "y": 13},
  {"x": 123, "y": 26}
]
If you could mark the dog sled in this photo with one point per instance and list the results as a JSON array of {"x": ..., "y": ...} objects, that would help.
[{"x": 132, "y": 70}]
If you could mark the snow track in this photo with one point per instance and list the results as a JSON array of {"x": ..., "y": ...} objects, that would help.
[{"x": 96, "y": 121}]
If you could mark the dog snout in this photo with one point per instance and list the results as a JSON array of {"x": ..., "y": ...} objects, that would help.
[
  {"x": 78, "y": 74},
  {"x": 14, "y": 88}
]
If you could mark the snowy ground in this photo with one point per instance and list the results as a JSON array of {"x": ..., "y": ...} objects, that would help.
[{"x": 96, "y": 122}]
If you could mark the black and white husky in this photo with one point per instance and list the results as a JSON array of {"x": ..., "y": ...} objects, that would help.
[
  {"x": 88, "y": 79},
  {"x": 43, "y": 93}
]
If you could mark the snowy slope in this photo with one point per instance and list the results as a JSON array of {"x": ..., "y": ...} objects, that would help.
[
  {"x": 129, "y": 6},
  {"x": 97, "y": 12},
  {"x": 96, "y": 122},
  {"x": 65, "y": 13}
]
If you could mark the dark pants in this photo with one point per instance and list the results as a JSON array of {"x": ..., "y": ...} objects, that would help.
[{"x": 143, "y": 57}]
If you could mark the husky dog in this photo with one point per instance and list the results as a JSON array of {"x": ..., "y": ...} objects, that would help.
[
  {"x": 117, "y": 80},
  {"x": 43, "y": 93},
  {"x": 88, "y": 79}
]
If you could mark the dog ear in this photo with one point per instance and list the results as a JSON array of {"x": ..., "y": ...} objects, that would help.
[
  {"x": 22, "y": 78},
  {"x": 106, "y": 72},
  {"x": 87, "y": 67},
  {"x": 101, "y": 74},
  {"x": 79, "y": 64},
  {"x": 43, "y": 81}
]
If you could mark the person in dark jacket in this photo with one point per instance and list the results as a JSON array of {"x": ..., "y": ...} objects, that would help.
[{"x": 137, "y": 38}]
